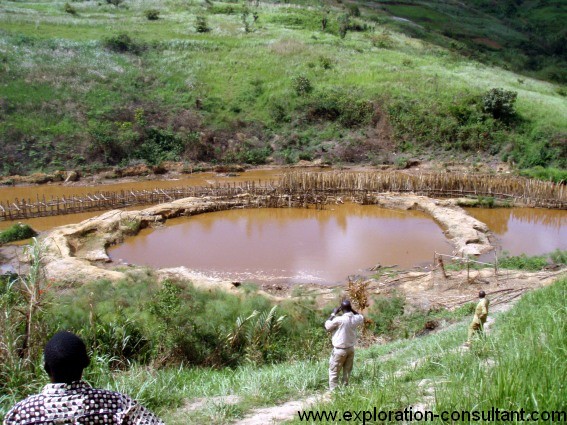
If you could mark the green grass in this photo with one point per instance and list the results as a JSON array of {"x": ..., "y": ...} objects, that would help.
[
  {"x": 16, "y": 232},
  {"x": 519, "y": 262},
  {"x": 509, "y": 368},
  {"x": 203, "y": 88}
]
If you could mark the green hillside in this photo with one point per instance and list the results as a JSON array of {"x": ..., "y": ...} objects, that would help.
[{"x": 91, "y": 84}]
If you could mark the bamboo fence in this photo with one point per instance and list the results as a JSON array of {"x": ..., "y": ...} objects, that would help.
[
  {"x": 305, "y": 188},
  {"x": 517, "y": 190}
]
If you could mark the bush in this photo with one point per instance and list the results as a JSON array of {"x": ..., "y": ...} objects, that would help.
[
  {"x": 551, "y": 174},
  {"x": 160, "y": 145},
  {"x": 345, "y": 105},
  {"x": 500, "y": 103},
  {"x": 115, "y": 2},
  {"x": 384, "y": 311},
  {"x": 152, "y": 14},
  {"x": 69, "y": 9},
  {"x": 523, "y": 262},
  {"x": 201, "y": 24},
  {"x": 302, "y": 85},
  {"x": 559, "y": 257},
  {"x": 353, "y": 10},
  {"x": 123, "y": 43},
  {"x": 17, "y": 232}
]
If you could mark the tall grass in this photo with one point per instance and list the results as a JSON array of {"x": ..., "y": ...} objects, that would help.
[{"x": 528, "y": 360}]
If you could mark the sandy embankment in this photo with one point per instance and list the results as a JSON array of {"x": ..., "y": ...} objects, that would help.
[{"x": 77, "y": 253}]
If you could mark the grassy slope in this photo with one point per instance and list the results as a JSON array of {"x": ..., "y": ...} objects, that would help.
[
  {"x": 228, "y": 95},
  {"x": 509, "y": 370}
]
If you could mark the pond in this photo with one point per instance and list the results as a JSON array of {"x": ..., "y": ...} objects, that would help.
[
  {"x": 288, "y": 245},
  {"x": 530, "y": 231}
]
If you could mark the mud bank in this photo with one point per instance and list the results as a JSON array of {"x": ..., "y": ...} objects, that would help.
[{"x": 77, "y": 253}]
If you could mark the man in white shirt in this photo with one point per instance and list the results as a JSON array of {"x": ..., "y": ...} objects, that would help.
[{"x": 344, "y": 339}]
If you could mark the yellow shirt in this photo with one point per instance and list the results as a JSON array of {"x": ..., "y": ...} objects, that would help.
[{"x": 481, "y": 311}]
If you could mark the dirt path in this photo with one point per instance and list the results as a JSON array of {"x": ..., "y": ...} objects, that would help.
[{"x": 278, "y": 414}]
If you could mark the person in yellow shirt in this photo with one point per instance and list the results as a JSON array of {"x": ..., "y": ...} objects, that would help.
[{"x": 480, "y": 315}]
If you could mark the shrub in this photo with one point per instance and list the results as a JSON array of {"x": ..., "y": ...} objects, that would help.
[
  {"x": 382, "y": 41},
  {"x": 152, "y": 14},
  {"x": 160, "y": 145},
  {"x": 353, "y": 10},
  {"x": 123, "y": 43},
  {"x": 325, "y": 62},
  {"x": 500, "y": 103},
  {"x": 345, "y": 105},
  {"x": 552, "y": 174},
  {"x": 69, "y": 9},
  {"x": 344, "y": 22},
  {"x": 201, "y": 24},
  {"x": 17, "y": 232},
  {"x": 115, "y": 2},
  {"x": 384, "y": 311},
  {"x": 302, "y": 85},
  {"x": 523, "y": 262},
  {"x": 254, "y": 156}
]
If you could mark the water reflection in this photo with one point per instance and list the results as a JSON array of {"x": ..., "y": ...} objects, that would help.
[
  {"x": 530, "y": 231},
  {"x": 290, "y": 245}
]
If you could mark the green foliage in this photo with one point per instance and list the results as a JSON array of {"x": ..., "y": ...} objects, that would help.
[
  {"x": 201, "y": 24},
  {"x": 123, "y": 43},
  {"x": 258, "y": 332},
  {"x": 226, "y": 9},
  {"x": 500, "y": 103},
  {"x": 542, "y": 173},
  {"x": 389, "y": 318},
  {"x": 202, "y": 99},
  {"x": 526, "y": 341},
  {"x": 173, "y": 323},
  {"x": 152, "y": 14},
  {"x": 115, "y": 2},
  {"x": 539, "y": 149},
  {"x": 345, "y": 105},
  {"x": 559, "y": 257},
  {"x": 17, "y": 232},
  {"x": 69, "y": 9},
  {"x": 344, "y": 23},
  {"x": 302, "y": 85},
  {"x": 353, "y": 10},
  {"x": 325, "y": 62},
  {"x": 523, "y": 262},
  {"x": 382, "y": 40},
  {"x": 23, "y": 327},
  {"x": 160, "y": 145},
  {"x": 384, "y": 311},
  {"x": 253, "y": 155}
]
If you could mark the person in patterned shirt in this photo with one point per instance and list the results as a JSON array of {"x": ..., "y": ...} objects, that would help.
[{"x": 71, "y": 401}]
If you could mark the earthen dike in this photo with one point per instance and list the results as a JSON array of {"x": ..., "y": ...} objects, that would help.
[{"x": 77, "y": 252}]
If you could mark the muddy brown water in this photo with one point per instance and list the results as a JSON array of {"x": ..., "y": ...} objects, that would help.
[
  {"x": 55, "y": 190},
  {"x": 516, "y": 230},
  {"x": 530, "y": 231},
  {"x": 288, "y": 245}
]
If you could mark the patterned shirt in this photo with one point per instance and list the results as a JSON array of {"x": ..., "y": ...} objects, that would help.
[{"x": 78, "y": 403}]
